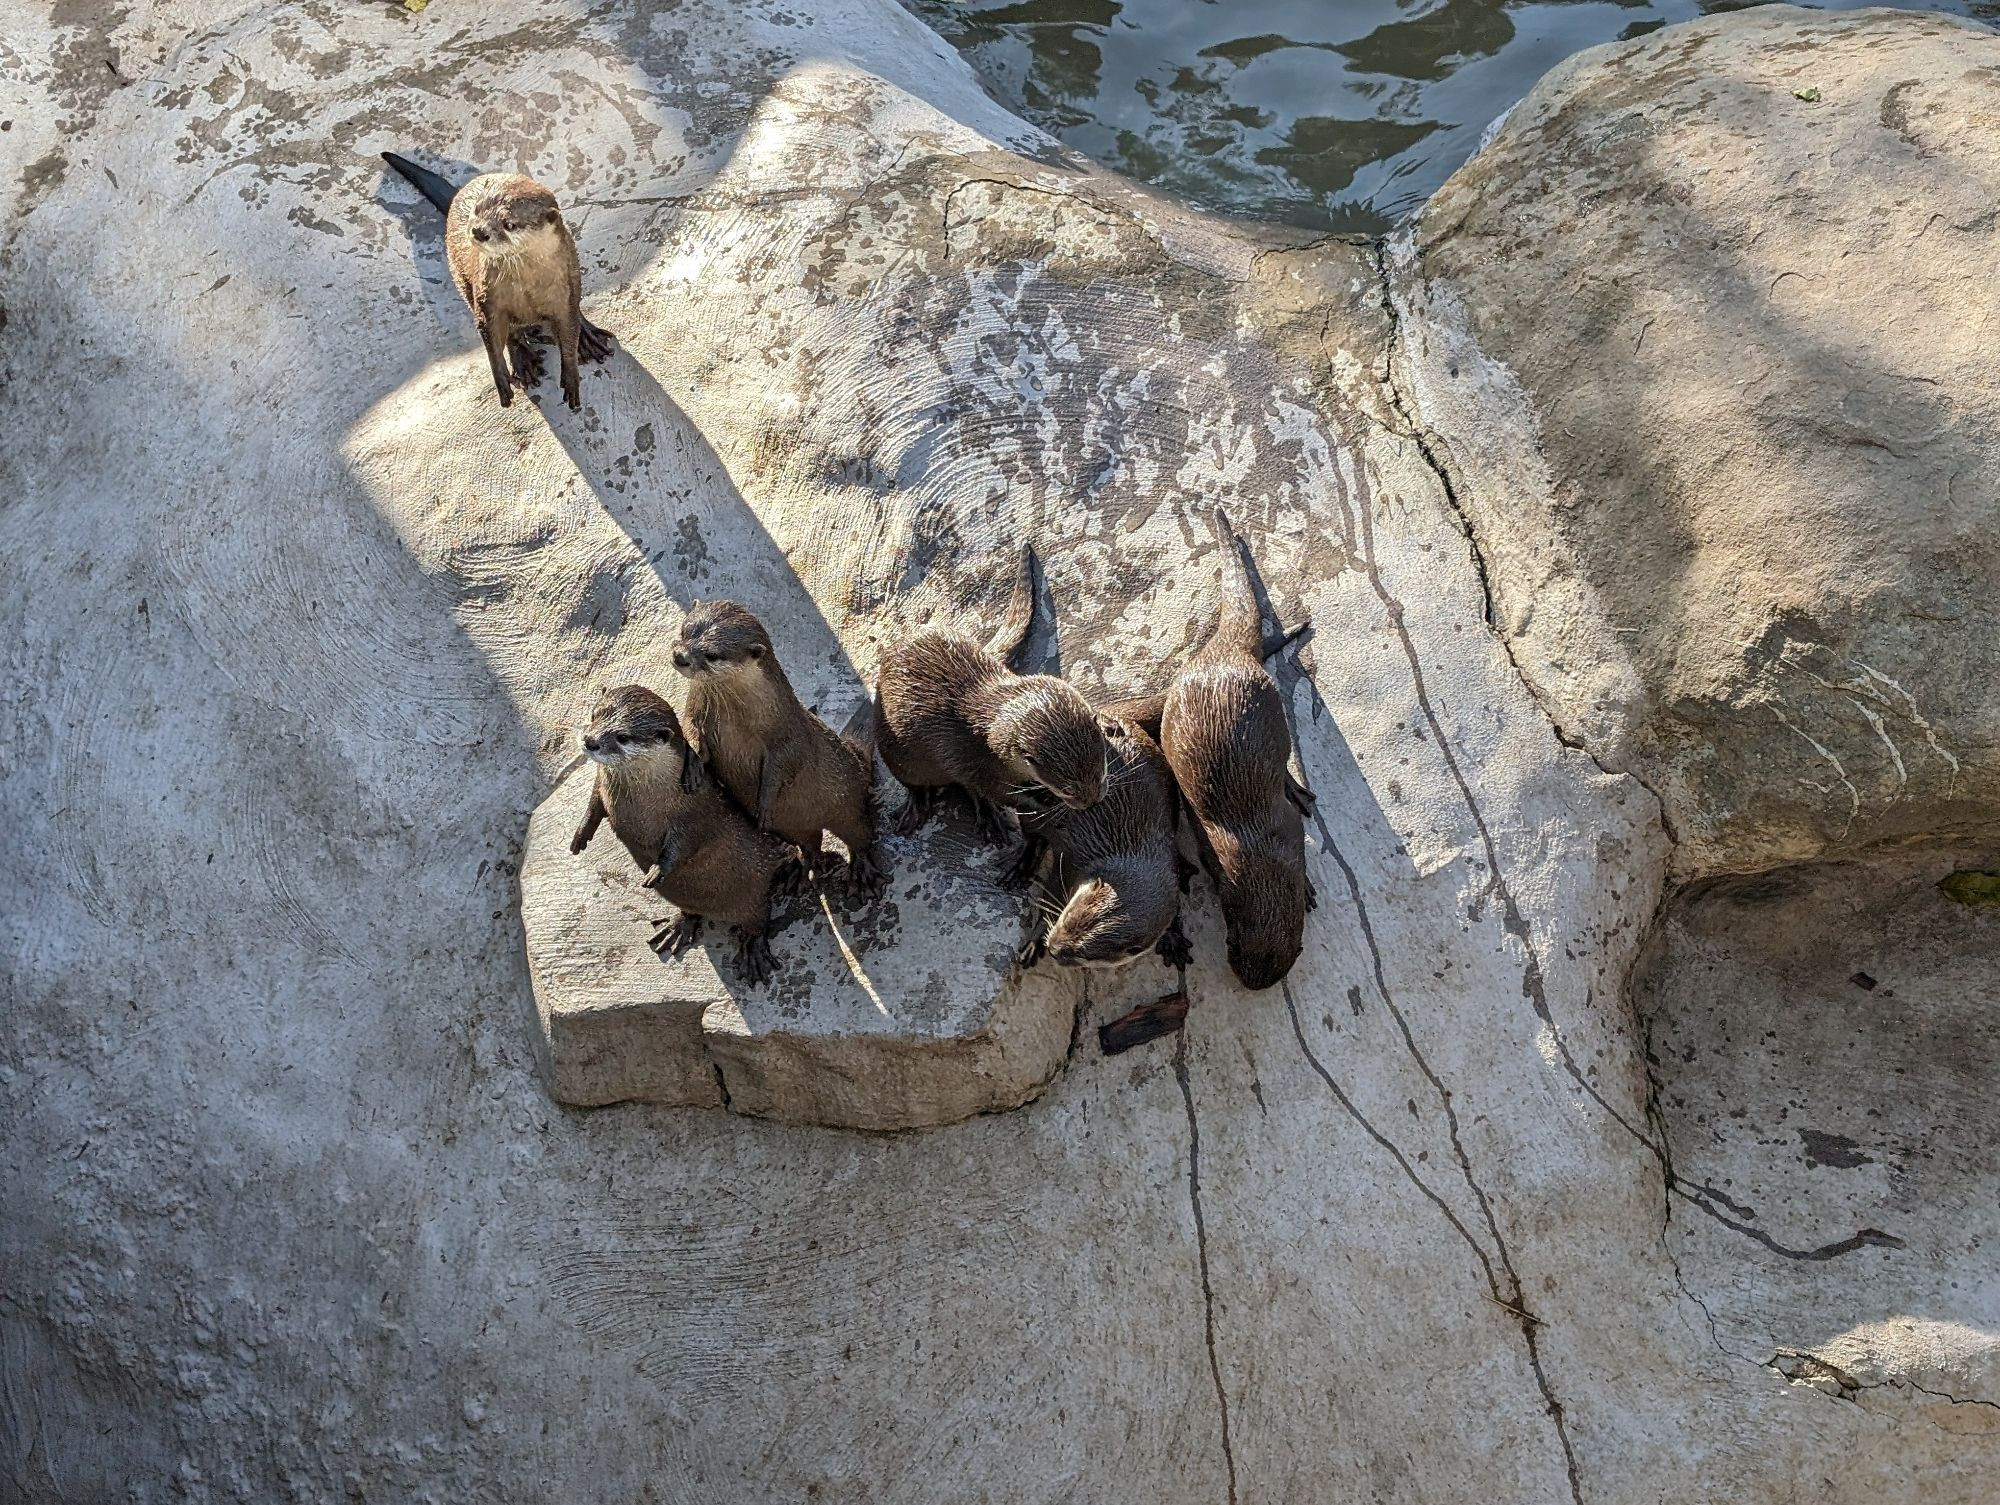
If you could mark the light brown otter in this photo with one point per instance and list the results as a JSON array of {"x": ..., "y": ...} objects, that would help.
[
  {"x": 512, "y": 258},
  {"x": 1225, "y": 735},
  {"x": 1116, "y": 863},
  {"x": 796, "y": 776},
  {"x": 952, "y": 714},
  {"x": 697, "y": 848}
]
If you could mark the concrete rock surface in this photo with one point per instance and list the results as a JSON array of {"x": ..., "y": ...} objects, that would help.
[
  {"x": 1702, "y": 337},
  {"x": 300, "y": 626},
  {"x": 901, "y": 1013}
]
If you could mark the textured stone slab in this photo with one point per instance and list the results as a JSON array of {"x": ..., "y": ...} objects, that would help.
[{"x": 899, "y": 1014}]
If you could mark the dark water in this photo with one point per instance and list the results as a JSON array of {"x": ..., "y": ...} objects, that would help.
[{"x": 1333, "y": 114}]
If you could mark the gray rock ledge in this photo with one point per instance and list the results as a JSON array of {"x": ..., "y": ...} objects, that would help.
[{"x": 901, "y": 1014}]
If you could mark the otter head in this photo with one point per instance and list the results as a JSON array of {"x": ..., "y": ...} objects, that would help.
[
  {"x": 509, "y": 219},
  {"x": 719, "y": 642},
  {"x": 1096, "y": 930},
  {"x": 1049, "y": 730},
  {"x": 631, "y": 723},
  {"x": 1263, "y": 915}
]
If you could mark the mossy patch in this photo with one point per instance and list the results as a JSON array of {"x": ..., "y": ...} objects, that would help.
[{"x": 1972, "y": 887}]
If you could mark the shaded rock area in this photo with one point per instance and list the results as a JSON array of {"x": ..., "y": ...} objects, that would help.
[
  {"x": 1824, "y": 1043},
  {"x": 901, "y": 1013},
  {"x": 1702, "y": 337},
  {"x": 300, "y": 627}
]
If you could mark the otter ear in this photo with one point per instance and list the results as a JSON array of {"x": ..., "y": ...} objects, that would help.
[
  {"x": 1109, "y": 727},
  {"x": 756, "y": 650}
]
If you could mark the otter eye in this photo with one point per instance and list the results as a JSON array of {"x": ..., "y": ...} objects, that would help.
[
  {"x": 618, "y": 737},
  {"x": 711, "y": 655}
]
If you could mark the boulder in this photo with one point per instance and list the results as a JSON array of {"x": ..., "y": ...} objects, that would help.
[
  {"x": 1699, "y": 338},
  {"x": 905, "y": 1012},
  {"x": 299, "y": 630}
]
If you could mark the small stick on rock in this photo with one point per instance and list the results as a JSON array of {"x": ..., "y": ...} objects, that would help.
[{"x": 1149, "y": 1021}]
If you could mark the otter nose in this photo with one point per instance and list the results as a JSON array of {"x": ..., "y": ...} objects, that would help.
[
  {"x": 589, "y": 743},
  {"x": 680, "y": 658}
]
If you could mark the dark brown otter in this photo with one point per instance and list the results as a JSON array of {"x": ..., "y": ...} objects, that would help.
[
  {"x": 1115, "y": 864},
  {"x": 1223, "y": 728},
  {"x": 950, "y": 713},
  {"x": 697, "y": 849},
  {"x": 794, "y": 774},
  {"x": 512, "y": 258}
]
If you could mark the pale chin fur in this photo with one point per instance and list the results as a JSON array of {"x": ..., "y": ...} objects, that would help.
[
  {"x": 507, "y": 248},
  {"x": 1111, "y": 966}
]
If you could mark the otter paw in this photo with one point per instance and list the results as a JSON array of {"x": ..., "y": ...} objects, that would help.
[
  {"x": 594, "y": 342},
  {"x": 1021, "y": 871},
  {"x": 756, "y": 960},
  {"x": 1312, "y": 897},
  {"x": 526, "y": 362},
  {"x": 1174, "y": 948},
  {"x": 791, "y": 878},
  {"x": 916, "y": 810},
  {"x": 1032, "y": 950},
  {"x": 676, "y": 933},
  {"x": 1301, "y": 796},
  {"x": 991, "y": 822},
  {"x": 866, "y": 875}
]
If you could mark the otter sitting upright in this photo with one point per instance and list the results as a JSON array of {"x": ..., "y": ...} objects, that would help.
[
  {"x": 952, "y": 714},
  {"x": 513, "y": 260},
  {"x": 794, "y": 774},
  {"x": 697, "y": 849}
]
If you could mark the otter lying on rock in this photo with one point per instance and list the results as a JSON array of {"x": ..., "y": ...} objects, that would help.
[
  {"x": 1223, "y": 729},
  {"x": 950, "y": 713},
  {"x": 1115, "y": 862}
]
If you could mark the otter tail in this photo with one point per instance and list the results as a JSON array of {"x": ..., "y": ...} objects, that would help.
[
  {"x": 1239, "y": 625},
  {"x": 1012, "y": 634},
  {"x": 428, "y": 183},
  {"x": 858, "y": 732}
]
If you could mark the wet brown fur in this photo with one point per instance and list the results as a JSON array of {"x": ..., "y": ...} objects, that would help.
[
  {"x": 1225, "y": 735},
  {"x": 1116, "y": 864},
  {"x": 699, "y": 849},
  {"x": 950, "y": 713},
  {"x": 792, "y": 772}
]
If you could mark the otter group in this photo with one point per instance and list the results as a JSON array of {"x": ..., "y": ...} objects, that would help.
[{"x": 733, "y": 808}]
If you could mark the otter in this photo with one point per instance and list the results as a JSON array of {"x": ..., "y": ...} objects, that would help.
[
  {"x": 513, "y": 259},
  {"x": 1116, "y": 862},
  {"x": 697, "y": 849},
  {"x": 1223, "y": 730},
  {"x": 794, "y": 774},
  {"x": 950, "y": 713}
]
